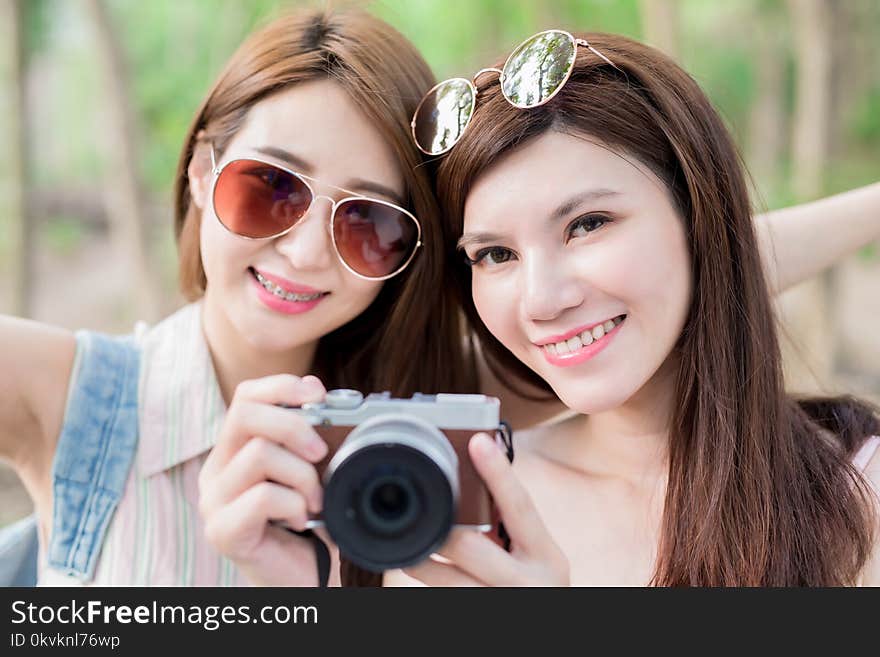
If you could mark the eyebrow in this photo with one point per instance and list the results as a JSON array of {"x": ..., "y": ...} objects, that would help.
[
  {"x": 564, "y": 208},
  {"x": 355, "y": 184}
]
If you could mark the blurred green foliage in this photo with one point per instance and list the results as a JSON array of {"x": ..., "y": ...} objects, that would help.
[
  {"x": 865, "y": 119},
  {"x": 63, "y": 235},
  {"x": 174, "y": 49}
]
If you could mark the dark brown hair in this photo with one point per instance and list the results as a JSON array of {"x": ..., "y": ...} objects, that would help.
[
  {"x": 761, "y": 489},
  {"x": 408, "y": 340}
]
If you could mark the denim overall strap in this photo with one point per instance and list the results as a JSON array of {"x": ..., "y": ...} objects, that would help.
[{"x": 95, "y": 450}]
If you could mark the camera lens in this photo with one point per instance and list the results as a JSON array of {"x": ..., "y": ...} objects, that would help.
[
  {"x": 390, "y": 492},
  {"x": 390, "y": 504}
]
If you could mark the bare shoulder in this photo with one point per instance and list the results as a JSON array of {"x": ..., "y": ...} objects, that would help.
[
  {"x": 871, "y": 573},
  {"x": 35, "y": 365}
]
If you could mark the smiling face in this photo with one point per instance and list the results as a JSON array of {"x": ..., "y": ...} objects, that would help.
[
  {"x": 581, "y": 267},
  {"x": 284, "y": 293}
]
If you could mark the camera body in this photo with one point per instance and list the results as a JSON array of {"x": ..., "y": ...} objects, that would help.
[{"x": 397, "y": 476}]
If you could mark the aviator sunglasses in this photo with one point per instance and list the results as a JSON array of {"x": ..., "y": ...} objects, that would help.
[
  {"x": 257, "y": 199},
  {"x": 535, "y": 72}
]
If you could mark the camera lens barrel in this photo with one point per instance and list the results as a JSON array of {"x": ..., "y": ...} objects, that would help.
[{"x": 391, "y": 492}]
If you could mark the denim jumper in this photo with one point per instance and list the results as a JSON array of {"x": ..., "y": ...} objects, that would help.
[{"x": 91, "y": 465}]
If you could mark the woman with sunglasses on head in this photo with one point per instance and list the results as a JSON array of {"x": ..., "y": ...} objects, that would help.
[
  {"x": 311, "y": 250},
  {"x": 610, "y": 256}
]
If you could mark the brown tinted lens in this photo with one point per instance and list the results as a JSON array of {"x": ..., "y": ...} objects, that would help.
[
  {"x": 372, "y": 238},
  {"x": 443, "y": 115},
  {"x": 256, "y": 199}
]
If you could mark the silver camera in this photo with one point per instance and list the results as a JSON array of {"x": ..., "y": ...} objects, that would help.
[{"x": 397, "y": 476}]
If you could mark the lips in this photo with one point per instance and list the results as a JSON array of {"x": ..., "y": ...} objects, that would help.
[
  {"x": 283, "y": 296},
  {"x": 284, "y": 284},
  {"x": 580, "y": 331},
  {"x": 582, "y": 343}
]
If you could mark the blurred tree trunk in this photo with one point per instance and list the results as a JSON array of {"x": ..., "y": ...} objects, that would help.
[
  {"x": 811, "y": 20},
  {"x": 809, "y": 309},
  {"x": 854, "y": 63},
  {"x": 767, "y": 122},
  {"x": 660, "y": 25},
  {"x": 20, "y": 263},
  {"x": 124, "y": 194}
]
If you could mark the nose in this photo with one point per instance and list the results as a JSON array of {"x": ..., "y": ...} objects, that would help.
[
  {"x": 549, "y": 289},
  {"x": 308, "y": 245}
]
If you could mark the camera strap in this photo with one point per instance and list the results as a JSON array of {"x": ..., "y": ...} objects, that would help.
[
  {"x": 322, "y": 555},
  {"x": 504, "y": 433}
]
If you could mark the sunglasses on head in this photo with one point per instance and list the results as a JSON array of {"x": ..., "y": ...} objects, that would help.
[
  {"x": 257, "y": 199},
  {"x": 535, "y": 72}
]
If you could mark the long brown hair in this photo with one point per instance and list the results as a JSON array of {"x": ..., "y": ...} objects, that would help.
[
  {"x": 408, "y": 340},
  {"x": 761, "y": 490}
]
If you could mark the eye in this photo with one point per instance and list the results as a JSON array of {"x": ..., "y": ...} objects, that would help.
[
  {"x": 356, "y": 212},
  {"x": 586, "y": 224},
  {"x": 492, "y": 255},
  {"x": 275, "y": 178}
]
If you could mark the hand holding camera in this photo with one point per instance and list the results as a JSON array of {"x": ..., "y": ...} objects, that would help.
[
  {"x": 472, "y": 560},
  {"x": 388, "y": 479},
  {"x": 398, "y": 477},
  {"x": 261, "y": 471}
]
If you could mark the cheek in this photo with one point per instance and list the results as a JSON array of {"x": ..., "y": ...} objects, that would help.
[
  {"x": 207, "y": 242},
  {"x": 495, "y": 306},
  {"x": 223, "y": 254},
  {"x": 661, "y": 290},
  {"x": 651, "y": 271},
  {"x": 362, "y": 292}
]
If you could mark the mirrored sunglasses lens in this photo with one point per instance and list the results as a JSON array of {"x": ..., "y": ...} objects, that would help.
[
  {"x": 372, "y": 238},
  {"x": 443, "y": 115},
  {"x": 537, "y": 68},
  {"x": 255, "y": 199}
]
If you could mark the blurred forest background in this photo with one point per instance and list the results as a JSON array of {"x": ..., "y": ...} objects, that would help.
[{"x": 96, "y": 95}]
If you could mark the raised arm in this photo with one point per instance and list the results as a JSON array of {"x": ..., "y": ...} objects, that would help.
[
  {"x": 801, "y": 241},
  {"x": 35, "y": 364}
]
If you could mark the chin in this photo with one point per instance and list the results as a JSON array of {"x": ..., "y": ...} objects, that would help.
[
  {"x": 588, "y": 400},
  {"x": 262, "y": 339}
]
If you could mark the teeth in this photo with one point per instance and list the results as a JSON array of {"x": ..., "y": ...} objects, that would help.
[
  {"x": 584, "y": 339},
  {"x": 280, "y": 292}
]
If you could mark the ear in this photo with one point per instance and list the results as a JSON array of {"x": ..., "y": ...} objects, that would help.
[{"x": 199, "y": 173}]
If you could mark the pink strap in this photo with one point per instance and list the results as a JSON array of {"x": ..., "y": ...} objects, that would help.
[{"x": 865, "y": 453}]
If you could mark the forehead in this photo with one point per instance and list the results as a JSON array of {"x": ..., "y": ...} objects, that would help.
[
  {"x": 320, "y": 123},
  {"x": 536, "y": 177}
]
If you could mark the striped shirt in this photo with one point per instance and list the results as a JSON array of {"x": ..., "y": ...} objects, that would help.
[{"x": 156, "y": 536}]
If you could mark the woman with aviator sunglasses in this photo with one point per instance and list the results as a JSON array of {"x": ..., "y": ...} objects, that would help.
[
  {"x": 313, "y": 253},
  {"x": 311, "y": 249},
  {"x": 260, "y": 199},
  {"x": 629, "y": 283}
]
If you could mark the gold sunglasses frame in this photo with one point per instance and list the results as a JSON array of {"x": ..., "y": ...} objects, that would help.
[
  {"x": 216, "y": 170},
  {"x": 501, "y": 78}
]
